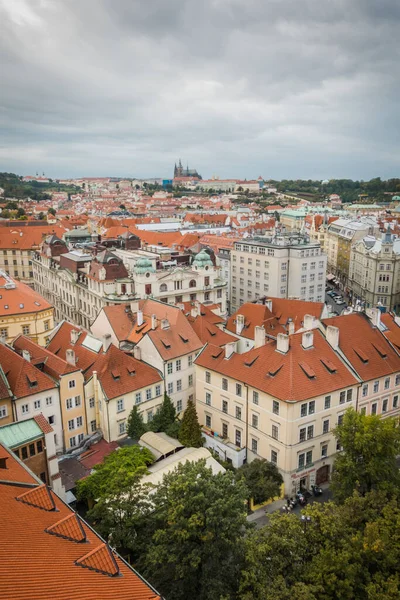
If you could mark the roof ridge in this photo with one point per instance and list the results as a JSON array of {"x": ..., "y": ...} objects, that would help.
[
  {"x": 39, "y": 497},
  {"x": 101, "y": 560},
  {"x": 69, "y": 528}
]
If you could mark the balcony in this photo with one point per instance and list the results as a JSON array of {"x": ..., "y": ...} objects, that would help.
[{"x": 225, "y": 448}]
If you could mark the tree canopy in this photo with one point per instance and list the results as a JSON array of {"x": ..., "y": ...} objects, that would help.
[
  {"x": 119, "y": 471},
  {"x": 190, "y": 432},
  {"x": 262, "y": 479},
  {"x": 368, "y": 460}
]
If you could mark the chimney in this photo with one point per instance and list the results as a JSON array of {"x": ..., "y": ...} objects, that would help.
[
  {"x": 164, "y": 324},
  {"x": 181, "y": 306},
  {"x": 153, "y": 321},
  {"x": 268, "y": 304},
  {"x": 137, "y": 353},
  {"x": 239, "y": 324},
  {"x": 134, "y": 306},
  {"x": 74, "y": 336},
  {"x": 195, "y": 310},
  {"x": 70, "y": 357},
  {"x": 139, "y": 318},
  {"x": 375, "y": 317},
  {"x": 26, "y": 355},
  {"x": 307, "y": 339},
  {"x": 230, "y": 349},
  {"x": 310, "y": 322},
  {"x": 291, "y": 327},
  {"x": 106, "y": 341},
  {"x": 332, "y": 336},
  {"x": 282, "y": 343},
  {"x": 259, "y": 336}
]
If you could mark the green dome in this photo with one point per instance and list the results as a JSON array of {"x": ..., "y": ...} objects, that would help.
[
  {"x": 144, "y": 265},
  {"x": 395, "y": 198},
  {"x": 202, "y": 259}
]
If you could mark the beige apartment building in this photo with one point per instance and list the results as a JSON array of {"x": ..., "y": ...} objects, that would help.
[
  {"x": 374, "y": 277},
  {"x": 23, "y": 311},
  {"x": 282, "y": 399},
  {"x": 283, "y": 266}
]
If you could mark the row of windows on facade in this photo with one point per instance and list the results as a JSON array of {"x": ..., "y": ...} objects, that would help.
[
  {"x": 26, "y": 329},
  {"x": 16, "y": 274},
  {"x": 178, "y": 364},
  {"x": 25, "y": 452},
  {"x": 271, "y": 251},
  {"x": 37, "y": 405}
]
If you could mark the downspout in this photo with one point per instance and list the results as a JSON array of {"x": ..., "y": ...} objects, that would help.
[
  {"x": 96, "y": 399},
  {"x": 247, "y": 419}
]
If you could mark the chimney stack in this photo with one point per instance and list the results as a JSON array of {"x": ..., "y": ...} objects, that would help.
[
  {"x": 74, "y": 336},
  {"x": 153, "y": 321},
  {"x": 375, "y": 317},
  {"x": 291, "y": 327},
  {"x": 307, "y": 340},
  {"x": 164, "y": 324},
  {"x": 268, "y": 304},
  {"x": 137, "y": 353},
  {"x": 282, "y": 343},
  {"x": 239, "y": 324},
  {"x": 230, "y": 349},
  {"x": 195, "y": 311},
  {"x": 70, "y": 357},
  {"x": 181, "y": 306},
  {"x": 310, "y": 322},
  {"x": 332, "y": 336},
  {"x": 106, "y": 341},
  {"x": 26, "y": 355},
  {"x": 134, "y": 306},
  {"x": 139, "y": 318},
  {"x": 259, "y": 336}
]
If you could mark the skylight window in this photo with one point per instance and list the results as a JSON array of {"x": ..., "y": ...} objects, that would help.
[
  {"x": 37, "y": 303},
  {"x": 166, "y": 344},
  {"x": 307, "y": 370},
  {"x": 184, "y": 339},
  {"x": 251, "y": 362},
  {"x": 21, "y": 306},
  {"x": 328, "y": 364},
  {"x": 361, "y": 355},
  {"x": 6, "y": 306},
  {"x": 275, "y": 370},
  {"x": 381, "y": 351}
]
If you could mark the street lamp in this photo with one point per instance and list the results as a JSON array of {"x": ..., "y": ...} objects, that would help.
[{"x": 305, "y": 520}]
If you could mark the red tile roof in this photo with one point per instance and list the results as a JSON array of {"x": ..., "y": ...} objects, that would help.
[
  {"x": 28, "y": 237},
  {"x": 392, "y": 333},
  {"x": 21, "y": 299},
  {"x": 40, "y": 560},
  {"x": 295, "y": 376},
  {"x": 205, "y": 311},
  {"x": 255, "y": 315},
  {"x": 97, "y": 453},
  {"x": 43, "y": 423},
  {"x": 53, "y": 365},
  {"x": 209, "y": 333},
  {"x": 356, "y": 333},
  {"x": 23, "y": 377}
]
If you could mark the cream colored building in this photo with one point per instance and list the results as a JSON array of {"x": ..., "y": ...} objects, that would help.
[
  {"x": 283, "y": 266},
  {"x": 375, "y": 271},
  {"x": 282, "y": 399},
  {"x": 23, "y": 311}
]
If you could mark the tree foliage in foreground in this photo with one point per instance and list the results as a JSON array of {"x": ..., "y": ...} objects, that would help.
[
  {"x": 198, "y": 534},
  {"x": 262, "y": 479},
  {"x": 368, "y": 459},
  {"x": 117, "y": 473}
]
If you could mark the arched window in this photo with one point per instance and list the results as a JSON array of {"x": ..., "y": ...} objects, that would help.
[
  {"x": 163, "y": 287},
  {"x": 192, "y": 283}
]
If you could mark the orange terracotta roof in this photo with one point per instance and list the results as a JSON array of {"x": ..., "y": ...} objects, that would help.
[
  {"x": 120, "y": 319},
  {"x": 357, "y": 333},
  {"x": 43, "y": 557},
  {"x": 43, "y": 423},
  {"x": 205, "y": 311},
  {"x": 21, "y": 299},
  {"x": 392, "y": 333},
  {"x": 285, "y": 309},
  {"x": 53, "y": 365},
  {"x": 61, "y": 342},
  {"x": 28, "y": 237},
  {"x": 295, "y": 376},
  {"x": 255, "y": 315},
  {"x": 23, "y": 377},
  {"x": 209, "y": 333}
]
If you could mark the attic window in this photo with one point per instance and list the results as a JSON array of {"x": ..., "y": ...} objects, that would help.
[
  {"x": 307, "y": 370},
  {"x": 32, "y": 381},
  {"x": 131, "y": 370},
  {"x": 6, "y": 306},
  {"x": 380, "y": 350},
  {"x": 115, "y": 373},
  {"x": 249, "y": 363},
  {"x": 140, "y": 328},
  {"x": 37, "y": 303},
  {"x": 361, "y": 355},
  {"x": 57, "y": 351},
  {"x": 275, "y": 370},
  {"x": 217, "y": 355},
  {"x": 212, "y": 333},
  {"x": 184, "y": 339},
  {"x": 166, "y": 344},
  {"x": 21, "y": 306},
  {"x": 328, "y": 364}
]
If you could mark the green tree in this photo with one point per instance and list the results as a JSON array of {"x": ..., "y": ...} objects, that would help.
[
  {"x": 41, "y": 216},
  {"x": 5, "y": 214},
  {"x": 119, "y": 471},
  {"x": 20, "y": 212},
  {"x": 368, "y": 460},
  {"x": 52, "y": 211},
  {"x": 122, "y": 206},
  {"x": 136, "y": 426},
  {"x": 262, "y": 479},
  {"x": 165, "y": 417},
  {"x": 190, "y": 432},
  {"x": 199, "y": 522}
]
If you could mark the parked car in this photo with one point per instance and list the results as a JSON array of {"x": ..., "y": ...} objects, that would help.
[
  {"x": 332, "y": 293},
  {"x": 340, "y": 302}
]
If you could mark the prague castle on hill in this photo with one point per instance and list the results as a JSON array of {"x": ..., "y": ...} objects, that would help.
[{"x": 180, "y": 172}]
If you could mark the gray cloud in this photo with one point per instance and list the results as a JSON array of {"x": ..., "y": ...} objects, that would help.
[{"x": 300, "y": 88}]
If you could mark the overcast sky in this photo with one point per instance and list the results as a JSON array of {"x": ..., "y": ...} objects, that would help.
[{"x": 236, "y": 88}]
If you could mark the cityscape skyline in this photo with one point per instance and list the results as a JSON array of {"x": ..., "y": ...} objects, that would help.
[{"x": 285, "y": 92}]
